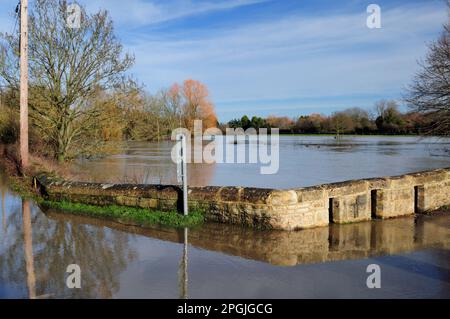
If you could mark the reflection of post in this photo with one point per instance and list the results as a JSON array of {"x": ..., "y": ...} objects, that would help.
[
  {"x": 183, "y": 272},
  {"x": 28, "y": 245},
  {"x": 3, "y": 212}
]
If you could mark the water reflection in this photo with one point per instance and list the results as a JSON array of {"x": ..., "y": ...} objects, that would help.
[
  {"x": 3, "y": 210},
  {"x": 141, "y": 164},
  {"x": 117, "y": 260},
  {"x": 37, "y": 252},
  {"x": 183, "y": 269},
  {"x": 28, "y": 248},
  {"x": 317, "y": 245},
  {"x": 304, "y": 161},
  {"x": 120, "y": 260}
]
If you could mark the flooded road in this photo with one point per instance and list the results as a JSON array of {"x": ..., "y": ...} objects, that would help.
[
  {"x": 303, "y": 161},
  {"x": 217, "y": 261}
]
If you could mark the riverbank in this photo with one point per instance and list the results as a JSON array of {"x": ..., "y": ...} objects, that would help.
[{"x": 25, "y": 184}]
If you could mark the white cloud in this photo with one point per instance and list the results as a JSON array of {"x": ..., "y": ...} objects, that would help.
[
  {"x": 141, "y": 12},
  {"x": 296, "y": 56},
  {"x": 287, "y": 57}
]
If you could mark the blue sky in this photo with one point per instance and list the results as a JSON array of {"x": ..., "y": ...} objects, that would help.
[{"x": 279, "y": 57}]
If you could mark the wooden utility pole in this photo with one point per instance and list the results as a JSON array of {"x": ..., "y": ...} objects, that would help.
[{"x": 24, "y": 83}]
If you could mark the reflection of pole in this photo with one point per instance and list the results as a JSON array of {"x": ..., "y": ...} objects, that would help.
[
  {"x": 183, "y": 271},
  {"x": 185, "y": 256},
  {"x": 3, "y": 212},
  {"x": 28, "y": 245}
]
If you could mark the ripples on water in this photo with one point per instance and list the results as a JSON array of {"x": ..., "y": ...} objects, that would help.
[{"x": 304, "y": 161}]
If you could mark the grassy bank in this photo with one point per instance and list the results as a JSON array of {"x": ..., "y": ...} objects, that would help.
[{"x": 129, "y": 215}]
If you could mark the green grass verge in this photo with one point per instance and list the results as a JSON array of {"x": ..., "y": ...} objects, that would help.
[
  {"x": 130, "y": 215},
  {"x": 20, "y": 186}
]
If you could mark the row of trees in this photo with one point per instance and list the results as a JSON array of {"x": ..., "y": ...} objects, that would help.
[
  {"x": 79, "y": 95},
  {"x": 129, "y": 113},
  {"x": 385, "y": 119},
  {"x": 124, "y": 112}
]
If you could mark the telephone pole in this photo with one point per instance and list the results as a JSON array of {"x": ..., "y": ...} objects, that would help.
[{"x": 24, "y": 83}]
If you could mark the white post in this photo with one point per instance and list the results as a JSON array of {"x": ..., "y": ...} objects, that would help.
[{"x": 182, "y": 170}]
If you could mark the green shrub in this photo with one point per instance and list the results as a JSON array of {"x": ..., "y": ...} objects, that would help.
[{"x": 9, "y": 125}]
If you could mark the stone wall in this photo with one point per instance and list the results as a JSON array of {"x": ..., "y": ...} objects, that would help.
[{"x": 343, "y": 202}]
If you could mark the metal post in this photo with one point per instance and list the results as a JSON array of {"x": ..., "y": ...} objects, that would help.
[{"x": 182, "y": 170}]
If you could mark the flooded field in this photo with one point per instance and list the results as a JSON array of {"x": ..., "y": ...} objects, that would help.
[{"x": 303, "y": 161}]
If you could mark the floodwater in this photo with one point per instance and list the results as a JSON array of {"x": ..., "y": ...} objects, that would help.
[
  {"x": 218, "y": 261},
  {"x": 223, "y": 261},
  {"x": 303, "y": 161}
]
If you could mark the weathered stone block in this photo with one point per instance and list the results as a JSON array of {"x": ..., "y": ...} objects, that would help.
[
  {"x": 347, "y": 188},
  {"x": 351, "y": 208},
  {"x": 282, "y": 198},
  {"x": 394, "y": 202},
  {"x": 230, "y": 194}
]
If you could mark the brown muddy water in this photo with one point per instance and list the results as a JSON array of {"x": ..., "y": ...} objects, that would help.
[
  {"x": 217, "y": 261},
  {"x": 303, "y": 161}
]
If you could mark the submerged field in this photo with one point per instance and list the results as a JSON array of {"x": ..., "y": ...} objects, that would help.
[{"x": 303, "y": 161}]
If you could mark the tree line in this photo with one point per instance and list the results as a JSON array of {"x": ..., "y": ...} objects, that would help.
[
  {"x": 123, "y": 113},
  {"x": 385, "y": 118}
]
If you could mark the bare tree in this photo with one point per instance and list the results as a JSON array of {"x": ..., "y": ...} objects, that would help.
[
  {"x": 430, "y": 90},
  {"x": 67, "y": 66},
  {"x": 341, "y": 123}
]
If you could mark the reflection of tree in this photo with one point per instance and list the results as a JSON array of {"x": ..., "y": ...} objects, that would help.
[
  {"x": 101, "y": 254},
  {"x": 3, "y": 212},
  {"x": 142, "y": 163}
]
